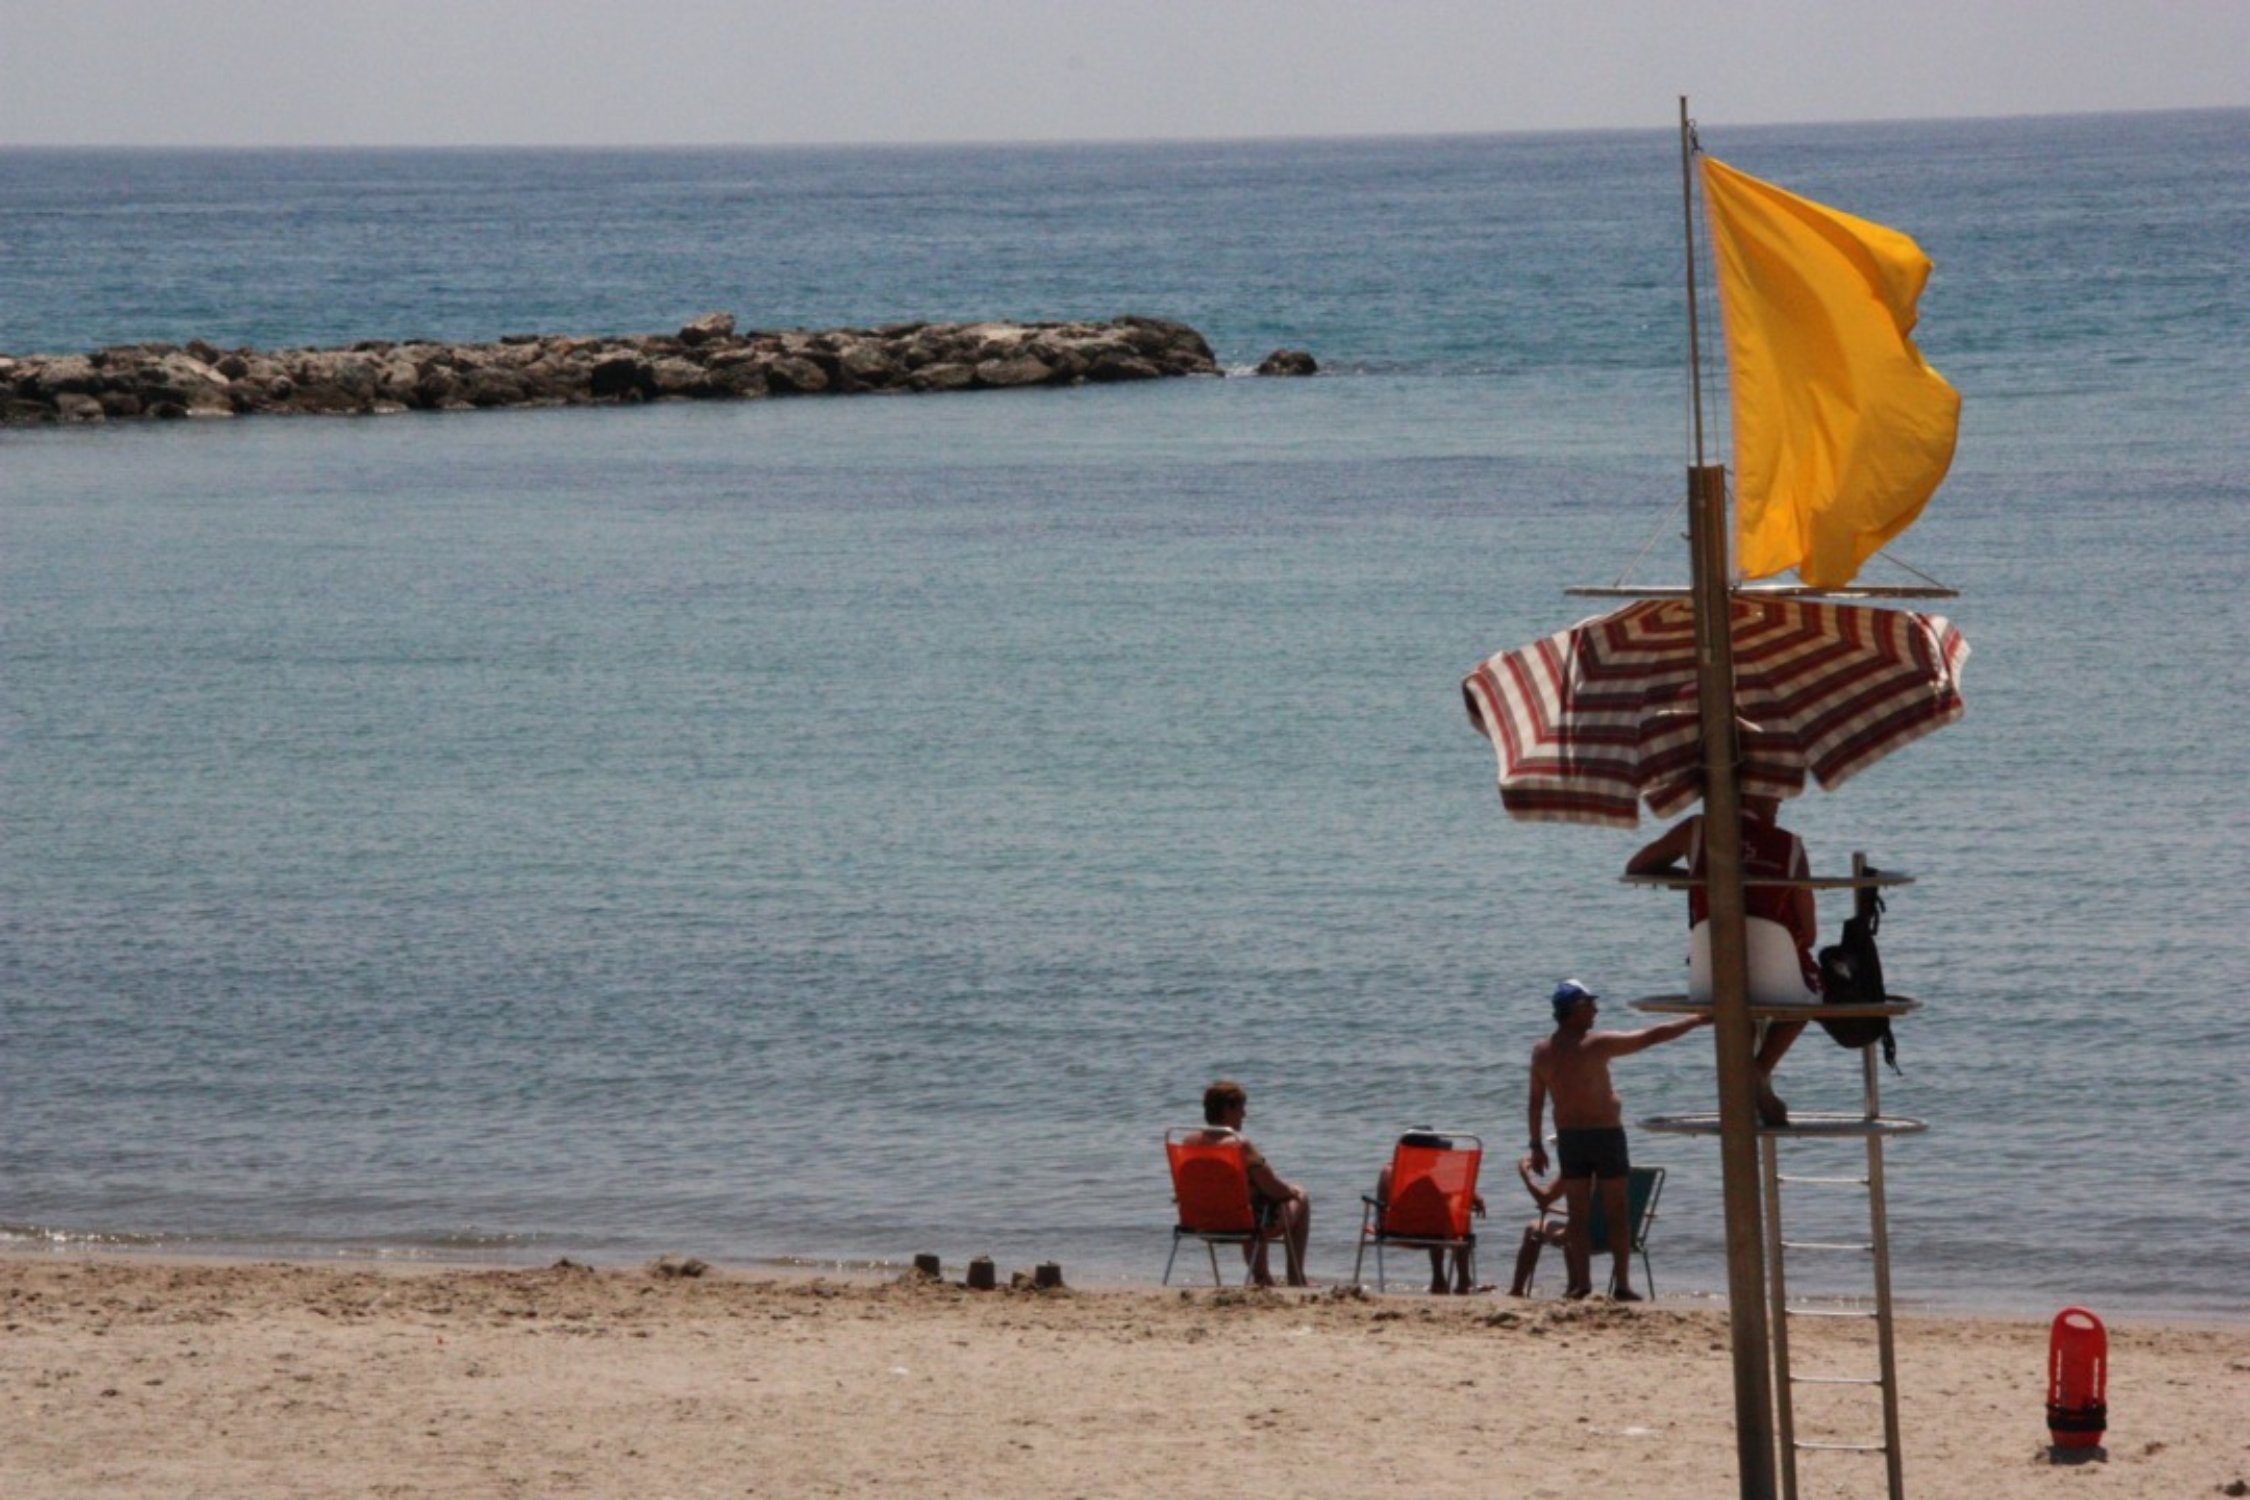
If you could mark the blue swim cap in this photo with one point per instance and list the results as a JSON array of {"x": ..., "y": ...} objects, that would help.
[{"x": 1569, "y": 993}]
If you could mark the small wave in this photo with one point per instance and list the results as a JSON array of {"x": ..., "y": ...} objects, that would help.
[
  {"x": 819, "y": 1263},
  {"x": 437, "y": 1247},
  {"x": 44, "y": 1237}
]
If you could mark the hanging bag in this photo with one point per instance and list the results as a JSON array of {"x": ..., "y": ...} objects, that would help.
[{"x": 1851, "y": 973}]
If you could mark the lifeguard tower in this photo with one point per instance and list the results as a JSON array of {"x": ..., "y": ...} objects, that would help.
[
  {"x": 1868, "y": 1126},
  {"x": 1842, "y": 433}
]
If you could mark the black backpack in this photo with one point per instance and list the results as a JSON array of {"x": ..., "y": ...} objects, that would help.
[{"x": 1851, "y": 973}]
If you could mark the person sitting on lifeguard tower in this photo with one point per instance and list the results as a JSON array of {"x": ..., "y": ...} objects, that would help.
[{"x": 1779, "y": 934}]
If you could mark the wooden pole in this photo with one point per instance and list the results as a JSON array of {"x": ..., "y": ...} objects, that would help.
[
  {"x": 1722, "y": 873},
  {"x": 1732, "y": 1039}
]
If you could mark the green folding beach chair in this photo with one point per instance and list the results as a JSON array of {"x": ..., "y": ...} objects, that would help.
[{"x": 1642, "y": 1190}]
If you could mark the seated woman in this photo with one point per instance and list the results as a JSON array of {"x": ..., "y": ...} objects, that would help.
[
  {"x": 1780, "y": 929},
  {"x": 1540, "y": 1232},
  {"x": 1415, "y": 1202}
]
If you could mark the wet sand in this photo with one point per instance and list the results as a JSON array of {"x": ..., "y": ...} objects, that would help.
[{"x": 122, "y": 1376}]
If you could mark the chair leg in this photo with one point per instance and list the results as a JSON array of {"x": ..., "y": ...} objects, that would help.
[
  {"x": 1216, "y": 1278},
  {"x": 1175, "y": 1255}
]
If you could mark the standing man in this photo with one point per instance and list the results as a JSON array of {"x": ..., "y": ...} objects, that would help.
[
  {"x": 1284, "y": 1209},
  {"x": 1572, "y": 1067}
]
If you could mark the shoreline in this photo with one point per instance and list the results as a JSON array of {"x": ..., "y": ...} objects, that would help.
[
  {"x": 137, "y": 1378},
  {"x": 862, "y": 1272}
]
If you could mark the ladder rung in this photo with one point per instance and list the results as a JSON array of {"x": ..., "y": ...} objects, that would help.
[
  {"x": 1835, "y": 1380},
  {"x": 1826, "y": 1312},
  {"x": 1844, "y": 1447},
  {"x": 1824, "y": 1181},
  {"x": 1862, "y": 1245}
]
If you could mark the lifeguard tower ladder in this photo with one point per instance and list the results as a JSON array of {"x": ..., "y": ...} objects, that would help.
[{"x": 1871, "y": 1126}]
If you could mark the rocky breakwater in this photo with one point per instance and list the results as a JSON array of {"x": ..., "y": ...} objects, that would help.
[{"x": 707, "y": 359}]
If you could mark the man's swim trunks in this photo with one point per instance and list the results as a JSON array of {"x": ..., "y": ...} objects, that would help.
[{"x": 1598, "y": 1152}]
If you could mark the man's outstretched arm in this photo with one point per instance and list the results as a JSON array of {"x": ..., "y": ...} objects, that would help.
[{"x": 1625, "y": 1043}]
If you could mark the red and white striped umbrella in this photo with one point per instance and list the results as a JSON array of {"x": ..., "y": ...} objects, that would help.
[{"x": 1590, "y": 722}]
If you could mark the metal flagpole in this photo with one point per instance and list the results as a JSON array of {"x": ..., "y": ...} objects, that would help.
[{"x": 1722, "y": 851}]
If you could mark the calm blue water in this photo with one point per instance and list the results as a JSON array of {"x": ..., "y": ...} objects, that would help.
[{"x": 846, "y": 829}]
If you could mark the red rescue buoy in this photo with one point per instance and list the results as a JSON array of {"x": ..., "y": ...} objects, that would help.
[{"x": 2077, "y": 1379}]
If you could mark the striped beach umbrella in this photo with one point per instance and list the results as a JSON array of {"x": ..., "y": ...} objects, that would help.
[{"x": 1596, "y": 719}]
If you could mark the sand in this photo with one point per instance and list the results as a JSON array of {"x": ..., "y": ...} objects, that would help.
[{"x": 130, "y": 1377}]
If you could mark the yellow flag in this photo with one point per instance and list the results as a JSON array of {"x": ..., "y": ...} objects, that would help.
[{"x": 1841, "y": 431}]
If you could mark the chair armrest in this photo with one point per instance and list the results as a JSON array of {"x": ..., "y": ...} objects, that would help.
[{"x": 1370, "y": 1213}]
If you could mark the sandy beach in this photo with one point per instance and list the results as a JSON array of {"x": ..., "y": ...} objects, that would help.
[{"x": 132, "y": 1377}]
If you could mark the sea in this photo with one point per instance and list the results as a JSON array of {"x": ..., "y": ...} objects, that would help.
[{"x": 810, "y": 833}]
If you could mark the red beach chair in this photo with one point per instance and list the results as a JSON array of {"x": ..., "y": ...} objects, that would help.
[
  {"x": 1433, "y": 1192},
  {"x": 1211, "y": 1186}
]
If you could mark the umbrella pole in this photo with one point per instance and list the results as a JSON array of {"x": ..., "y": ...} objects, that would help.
[{"x": 1722, "y": 849}]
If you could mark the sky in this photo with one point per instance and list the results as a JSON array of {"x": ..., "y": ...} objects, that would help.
[{"x": 758, "y": 72}]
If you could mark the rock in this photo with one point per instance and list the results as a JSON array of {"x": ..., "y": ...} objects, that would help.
[
  {"x": 74, "y": 406},
  {"x": 709, "y": 328},
  {"x": 1288, "y": 362},
  {"x": 491, "y": 388},
  {"x": 676, "y": 1267},
  {"x": 1173, "y": 346},
  {"x": 320, "y": 396},
  {"x": 868, "y": 364},
  {"x": 1019, "y": 370},
  {"x": 436, "y": 385},
  {"x": 182, "y": 378},
  {"x": 1066, "y": 363},
  {"x": 679, "y": 377},
  {"x": 354, "y": 377},
  {"x": 621, "y": 375},
  {"x": 1109, "y": 367},
  {"x": 74, "y": 374},
  {"x": 947, "y": 377},
  {"x": 557, "y": 380},
  {"x": 397, "y": 379},
  {"x": 789, "y": 374},
  {"x": 742, "y": 379}
]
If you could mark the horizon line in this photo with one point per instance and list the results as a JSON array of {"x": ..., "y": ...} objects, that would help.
[{"x": 1058, "y": 142}]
